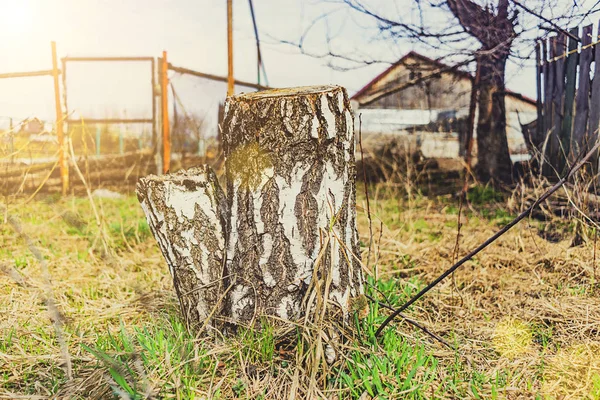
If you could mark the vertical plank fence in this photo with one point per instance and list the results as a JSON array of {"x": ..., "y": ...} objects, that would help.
[{"x": 568, "y": 87}]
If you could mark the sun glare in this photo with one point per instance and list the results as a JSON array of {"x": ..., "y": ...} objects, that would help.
[{"x": 16, "y": 16}]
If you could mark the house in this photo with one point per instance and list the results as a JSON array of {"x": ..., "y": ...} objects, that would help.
[
  {"x": 32, "y": 126},
  {"x": 428, "y": 101}
]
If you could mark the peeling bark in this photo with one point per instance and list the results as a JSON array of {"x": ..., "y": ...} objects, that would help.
[
  {"x": 288, "y": 223},
  {"x": 187, "y": 213},
  {"x": 291, "y": 191}
]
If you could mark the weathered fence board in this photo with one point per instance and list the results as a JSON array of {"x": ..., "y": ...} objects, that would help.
[
  {"x": 583, "y": 93},
  {"x": 568, "y": 97},
  {"x": 571, "y": 71},
  {"x": 546, "y": 121},
  {"x": 594, "y": 119},
  {"x": 538, "y": 75},
  {"x": 556, "y": 87}
]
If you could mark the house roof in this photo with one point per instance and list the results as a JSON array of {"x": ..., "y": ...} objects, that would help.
[{"x": 448, "y": 69}]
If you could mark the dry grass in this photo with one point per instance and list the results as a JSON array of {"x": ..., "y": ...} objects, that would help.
[
  {"x": 524, "y": 315},
  {"x": 517, "y": 307}
]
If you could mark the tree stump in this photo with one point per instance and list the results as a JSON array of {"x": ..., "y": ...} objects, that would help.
[
  {"x": 288, "y": 223},
  {"x": 187, "y": 214},
  {"x": 292, "y": 200}
]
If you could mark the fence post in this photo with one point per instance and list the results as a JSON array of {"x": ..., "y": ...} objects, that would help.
[
  {"x": 566, "y": 129},
  {"x": 121, "y": 144},
  {"x": 64, "y": 168},
  {"x": 12, "y": 142},
  {"x": 164, "y": 83},
  {"x": 98, "y": 139},
  {"x": 230, "y": 79}
]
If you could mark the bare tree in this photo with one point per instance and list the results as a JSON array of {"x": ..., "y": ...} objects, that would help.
[
  {"x": 487, "y": 32},
  {"x": 496, "y": 32}
]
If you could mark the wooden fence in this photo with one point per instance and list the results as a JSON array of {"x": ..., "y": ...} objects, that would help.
[{"x": 568, "y": 89}]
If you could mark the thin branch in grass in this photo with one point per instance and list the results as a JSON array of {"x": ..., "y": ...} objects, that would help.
[
  {"x": 490, "y": 240},
  {"x": 55, "y": 316},
  {"x": 362, "y": 159},
  {"x": 103, "y": 234},
  {"x": 412, "y": 322}
]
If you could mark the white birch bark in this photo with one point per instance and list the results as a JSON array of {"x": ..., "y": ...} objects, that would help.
[
  {"x": 187, "y": 213},
  {"x": 291, "y": 190}
]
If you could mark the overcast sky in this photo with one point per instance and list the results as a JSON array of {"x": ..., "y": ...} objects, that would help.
[{"x": 194, "y": 34}]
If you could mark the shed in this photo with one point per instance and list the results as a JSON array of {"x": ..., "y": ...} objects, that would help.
[{"x": 429, "y": 100}]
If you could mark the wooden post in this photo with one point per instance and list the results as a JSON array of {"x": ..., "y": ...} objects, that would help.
[
  {"x": 539, "y": 62},
  {"x": 98, "y": 139},
  {"x": 566, "y": 129},
  {"x": 121, "y": 142},
  {"x": 581, "y": 140},
  {"x": 164, "y": 84},
  {"x": 594, "y": 119},
  {"x": 469, "y": 142},
  {"x": 230, "y": 79},
  {"x": 548, "y": 71},
  {"x": 12, "y": 142},
  {"x": 64, "y": 168}
]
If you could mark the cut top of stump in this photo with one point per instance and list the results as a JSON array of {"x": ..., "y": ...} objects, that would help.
[
  {"x": 280, "y": 119},
  {"x": 287, "y": 92}
]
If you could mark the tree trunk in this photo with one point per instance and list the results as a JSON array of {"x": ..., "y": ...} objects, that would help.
[
  {"x": 187, "y": 213},
  {"x": 291, "y": 194},
  {"x": 287, "y": 229},
  {"x": 493, "y": 157},
  {"x": 495, "y": 32}
]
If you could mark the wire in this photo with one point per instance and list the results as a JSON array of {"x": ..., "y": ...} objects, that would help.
[
  {"x": 491, "y": 239},
  {"x": 260, "y": 63}
]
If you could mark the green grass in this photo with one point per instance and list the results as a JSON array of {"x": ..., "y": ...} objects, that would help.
[
  {"x": 125, "y": 335},
  {"x": 172, "y": 362}
]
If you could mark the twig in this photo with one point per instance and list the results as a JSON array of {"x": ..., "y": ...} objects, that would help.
[
  {"x": 362, "y": 159},
  {"x": 91, "y": 198},
  {"x": 491, "y": 240},
  {"x": 412, "y": 322},
  {"x": 53, "y": 312},
  {"x": 530, "y": 11}
]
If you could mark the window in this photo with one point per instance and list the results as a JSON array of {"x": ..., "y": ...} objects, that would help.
[{"x": 414, "y": 75}]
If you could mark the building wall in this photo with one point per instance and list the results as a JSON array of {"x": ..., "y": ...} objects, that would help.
[
  {"x": 448, "y": 91},
  {"x": 436, "y": 99}
]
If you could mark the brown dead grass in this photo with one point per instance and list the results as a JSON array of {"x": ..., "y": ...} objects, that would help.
[{"x": 525, "y": 306}]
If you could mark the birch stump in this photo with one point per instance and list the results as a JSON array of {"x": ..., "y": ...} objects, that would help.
[
  {"x": 187, "y": 214},
  {"x": 291, "y": 196}
]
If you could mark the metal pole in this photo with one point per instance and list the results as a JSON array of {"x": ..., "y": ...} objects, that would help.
[
  {"x": 12, "y": 141},
  {"x": 121, "y": 145},
  {"x": 64, "y": 168},
  {"x": 165, "y": 113},
  {"x": 230, "y": 79},
  {"x": 98, "y": 139}
]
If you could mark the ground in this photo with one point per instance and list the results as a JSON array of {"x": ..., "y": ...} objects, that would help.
[{"x": 521, "y": 320}]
